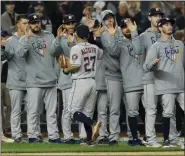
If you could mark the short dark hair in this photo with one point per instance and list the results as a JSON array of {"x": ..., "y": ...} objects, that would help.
[{"x": 21, "y": 16}]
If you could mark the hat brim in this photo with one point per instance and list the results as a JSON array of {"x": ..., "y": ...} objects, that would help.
[
  {"x": 69, "y": 21},
  {"x": 172, "y": 21},
  {"x": 157, "y": 13},
  {"x": 108, "y": 15},
  {"x": 34, "y": 21}
]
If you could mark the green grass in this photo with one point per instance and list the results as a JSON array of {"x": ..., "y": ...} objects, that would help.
[{"x": 44, "y": 147}]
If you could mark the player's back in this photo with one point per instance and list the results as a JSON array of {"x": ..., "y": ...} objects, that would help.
[{"x": 85, "y": 55}]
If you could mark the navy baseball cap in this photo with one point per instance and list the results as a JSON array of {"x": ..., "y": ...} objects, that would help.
[
  {"x": 82, "y": 31},
  {"x": 155, "y": 11},
  {"x": 4, "y": 33},
  {"x": 164, "y": 20},
  {"x": 69, "y": 18},
  {"x": 108, "y": 15},
  {"x": 122, "y": 23},
  {"x": 33, "y": 18}
]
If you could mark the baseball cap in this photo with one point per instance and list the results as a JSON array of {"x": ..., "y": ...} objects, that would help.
[
  {"x": 33, "y": 18},
  {"x": 122, "y": 23},
  {"x": 155, "y": 11},
  {"x": 4, "y": 33},
  {"x": 82, "y": 31},
  {"x": 69, "y": 18},
  {"x": 164, "y": 20},
  {"x": 108, "y": 15}
]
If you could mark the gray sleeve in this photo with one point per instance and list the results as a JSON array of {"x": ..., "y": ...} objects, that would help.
[
  {"x": 6, "y": 26},
  {"x": 65, "y": 47},
  {"x": 142, "y": 44},
  {"x": 7, "y": 53},
  {"x": 151, "y": 56},
  {"x": 136, "y": 42},
  {"x": 110, "y": 44},
  {"x": 23, "y": 47},
  {"x": 56, "y": 49}
]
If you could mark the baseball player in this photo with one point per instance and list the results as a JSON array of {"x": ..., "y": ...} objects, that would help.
[
  {"x": 109, "y": 40},
  {"x": 131, "y": 64},
  {"x": 102, "y": 99},
  {"x": 16, "y": 79},
  {"x": 149, "y": 37},
  {"x": 41, "y": 78},
  {"x": 166, "y": 59},
  {"x": 83, "y": 60},
  {"x": 3, "y": 138},
  {"x": 65, "y": 81}
]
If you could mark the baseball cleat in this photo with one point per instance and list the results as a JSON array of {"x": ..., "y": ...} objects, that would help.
[
  {"x": 7, "y": 140},
  {"x": 113, "y": 143},
  {"x": 153, "y": 145},
  {"x": 96, "y": 130},
  {"x": 166, "y": 144}
]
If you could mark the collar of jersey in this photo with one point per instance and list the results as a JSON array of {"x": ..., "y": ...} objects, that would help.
[{"x": 84, "y": 43}]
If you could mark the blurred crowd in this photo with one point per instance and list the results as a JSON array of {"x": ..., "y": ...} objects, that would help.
[{"x": 52, "y": 13}]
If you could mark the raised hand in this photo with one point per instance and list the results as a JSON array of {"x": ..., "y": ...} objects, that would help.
[
  {"x": 60, "y": 32},
  {"x": 111, "y": 31},
  {"x": 156, "y": 61},
  {"x": 28, "y": 32},
  {"x": 131, "y": 26}
]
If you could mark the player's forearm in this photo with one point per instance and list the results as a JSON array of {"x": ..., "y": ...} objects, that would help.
[{"x": 71, "y": 69}]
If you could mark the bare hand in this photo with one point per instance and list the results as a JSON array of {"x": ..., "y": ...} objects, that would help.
[
  {"x": 70, "y": 38},
  {"x": 156, "y": 61},
  {"x": 60, "y": 32},
  {"x": 3, "y": 42},
  {"x": 98, "y": 32},
  {"x": 28, "y": 32},
  {"x": 111, "y": 31},
  {"x": 131, "y": 26},
  {"x": 89, "y": 23}
]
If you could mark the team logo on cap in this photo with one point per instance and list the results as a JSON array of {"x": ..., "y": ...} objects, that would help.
[
  {"x": 70, "y": 17},
  {"x": 34, "y": 16},
  {"x": 157, "y": 9}
]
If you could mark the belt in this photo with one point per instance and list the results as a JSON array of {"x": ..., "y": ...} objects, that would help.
[{"x": 84, "y": 78}]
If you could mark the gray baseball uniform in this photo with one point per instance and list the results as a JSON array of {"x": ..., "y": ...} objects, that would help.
[
  {"x": 82, "y": 97},
  {"x": 148, "y": 38},
  {"x": 102, "y": 99},
  {"x": 65, "y": 84},
  {"x": 169, "y": 73},
  {"x": 113, "y": 79},
  {"x": 40, "y": 80},
  {"x": 16, "y": 84},
  {"x": 131, "y": 64}
]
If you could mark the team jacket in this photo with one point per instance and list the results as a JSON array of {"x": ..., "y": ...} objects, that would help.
[
  {"x": 111, "y": 52},
  {"x": 39, "y": 64},
  {"x": 131, "y": 63},
  {"x": 169, "y": 72},
  {"x": 148, "y": 38},
  {"x": 16, "y": 66}
]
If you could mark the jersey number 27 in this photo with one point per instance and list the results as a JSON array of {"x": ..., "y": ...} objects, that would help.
[{"x": 89, "y": 63}]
